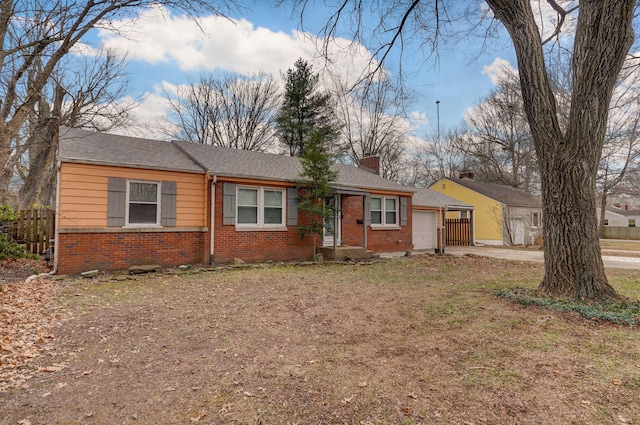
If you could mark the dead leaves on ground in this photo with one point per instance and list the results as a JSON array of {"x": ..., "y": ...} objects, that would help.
[{"x": 26, "y": 318}]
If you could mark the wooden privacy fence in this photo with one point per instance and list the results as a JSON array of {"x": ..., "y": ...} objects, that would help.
[
  {"x": 458, "y": 232},
  {"x": 628, "y": 233},
  {"x": 35, "y": 228}
]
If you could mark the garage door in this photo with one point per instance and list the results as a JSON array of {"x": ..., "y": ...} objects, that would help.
[{"x": 424, "y": 229}]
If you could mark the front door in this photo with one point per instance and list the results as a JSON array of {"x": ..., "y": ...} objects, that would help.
[{"x": 332, "y": 224}]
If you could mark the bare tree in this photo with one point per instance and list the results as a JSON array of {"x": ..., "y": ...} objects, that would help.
[
  {"x": 88, "y": 93},
  {"x": 437, "y": 157},
  {"x": 568, "y": 156},
  {"x": 46, "y": 31},
  {"x": 621, "y": 152},
  {"x": 496, "y": 142},
  {"x": 373, "y": 123},
  {"x": 231, "y": 111}
]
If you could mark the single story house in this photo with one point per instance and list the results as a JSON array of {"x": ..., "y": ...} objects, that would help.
[
  {"x": 430, "y": 230},
  {"x": 504, "y": 215},
  {"x": 620, "y": 216},
  {"x": 125, "y": 201}
]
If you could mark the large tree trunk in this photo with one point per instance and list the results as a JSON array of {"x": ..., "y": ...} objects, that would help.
[
  {"x": 568, "y": 158},
  {"x": 573, "y": 262}
]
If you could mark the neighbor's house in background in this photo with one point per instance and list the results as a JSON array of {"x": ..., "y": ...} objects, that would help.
[
  {"x": 621, "y": 222},
  {"x": 620, "y": 216},
  {"x": 126, "y": 201},
  {"x": 504, "y": 215}
]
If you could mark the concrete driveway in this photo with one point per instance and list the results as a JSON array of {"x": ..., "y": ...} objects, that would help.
[{"x": 537, "y": 256}]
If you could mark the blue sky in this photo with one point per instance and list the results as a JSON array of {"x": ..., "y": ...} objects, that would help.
[{"x": 168, "y": 50}]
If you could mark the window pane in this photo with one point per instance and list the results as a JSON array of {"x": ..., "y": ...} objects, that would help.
[
  {"x": 143, "y": 192},
  {"x": 272, "y": 198},
  {"x": 376, "y": 204},
  {"x": 390, "y": 217},
  {"x": 390, "y": 204},
  {"x": 143, "y": 213},
  {"x": 376, "y": 217},
  {"x": 247, "y": 215},
  {"x": 273, "y": 216},
  {"x": 248, "y": 197}
]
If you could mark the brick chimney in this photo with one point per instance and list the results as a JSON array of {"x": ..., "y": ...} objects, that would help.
[
  {"x": 466, "y": 174},
  {"x": 371, "y": 163}
]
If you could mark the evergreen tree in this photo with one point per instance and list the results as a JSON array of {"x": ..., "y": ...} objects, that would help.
[
  {"x": 315, "y": 187},
  {"x": 304, "y": 111}
]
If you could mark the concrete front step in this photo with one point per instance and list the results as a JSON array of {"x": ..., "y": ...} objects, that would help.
[{"x": 345, "y": 253}]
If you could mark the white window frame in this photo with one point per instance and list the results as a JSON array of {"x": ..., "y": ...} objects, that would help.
[
  {"x": 261, "y": 225},
  {"x": 157, "y": 203},
  {"x": 536, "y": 223},
  {"x": 384, "y": 224}
]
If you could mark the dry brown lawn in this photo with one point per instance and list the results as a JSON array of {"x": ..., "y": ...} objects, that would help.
[{"x": 421, "y": 340}]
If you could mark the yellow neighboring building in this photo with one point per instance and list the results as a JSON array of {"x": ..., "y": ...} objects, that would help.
[{"x": 503, "y": 215}]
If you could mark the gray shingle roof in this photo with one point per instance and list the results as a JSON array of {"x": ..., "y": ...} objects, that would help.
[
  {"x": 431, "y": 198},
  {"x": 109, "y": 149},
  {"x": 506, "y": 194},
  {"x": 623, "y": 212},
  {"x": 230, "y": 162}
]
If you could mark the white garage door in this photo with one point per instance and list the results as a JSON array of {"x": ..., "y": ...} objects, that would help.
[{"x": 424, "y": 229}]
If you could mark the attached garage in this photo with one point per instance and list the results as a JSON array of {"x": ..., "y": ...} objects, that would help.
[
  {"x": 424, "y": 229},
  {"x": 429, "y": 210}
]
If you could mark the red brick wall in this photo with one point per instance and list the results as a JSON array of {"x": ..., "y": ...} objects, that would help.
[
  {"x": 260, "y": 245},
  {"x": 387, "y": 240},
  {"x": 79, "y": 252}
]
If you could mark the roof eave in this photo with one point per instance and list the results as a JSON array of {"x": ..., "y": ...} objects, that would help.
[{"x": 129, "y": 165}]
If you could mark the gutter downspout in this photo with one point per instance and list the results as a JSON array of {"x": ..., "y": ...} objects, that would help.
[
  {"x": 57, "y": 224},
  {"x": 444, "y": 228},
  {"x": 213, "y": 220}
]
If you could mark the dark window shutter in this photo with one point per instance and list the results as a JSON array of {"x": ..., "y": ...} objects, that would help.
[
  {"x": 292, "y": 206},
  {"x": 168, "y": 207},
  {"x": 117, "y": 202},
  {"x": 403, "y": 211},
  {"x": 229, "y": 204},
  {"x": 367, "y": 210}
]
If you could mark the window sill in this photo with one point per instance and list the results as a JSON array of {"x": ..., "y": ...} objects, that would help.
[
  {"x": 142, "y": 226},
  {"x": 260, "y": 229},
  {"x": 378, "y": 227}
]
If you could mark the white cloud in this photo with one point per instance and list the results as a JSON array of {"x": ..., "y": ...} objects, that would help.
[
  {"x": 158, "y": 36},
  {"x": 498, "y": 68}
]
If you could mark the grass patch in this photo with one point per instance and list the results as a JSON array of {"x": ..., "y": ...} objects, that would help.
[{"x": 621, "y": 312}]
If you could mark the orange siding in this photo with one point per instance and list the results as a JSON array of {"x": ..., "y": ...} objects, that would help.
[{"x": 84, "y": 192}]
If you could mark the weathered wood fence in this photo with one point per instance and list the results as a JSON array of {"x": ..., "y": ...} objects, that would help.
[
  {"x": 35, "y": 228},
  {"x": 627, "y": 233},
  {"x": 458, "y": 232}
]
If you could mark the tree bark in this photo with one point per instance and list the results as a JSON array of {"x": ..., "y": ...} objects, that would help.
[{"x": 569, "y": 159}]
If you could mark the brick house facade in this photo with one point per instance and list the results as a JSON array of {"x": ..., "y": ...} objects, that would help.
[{"x": 125, "y": 201}]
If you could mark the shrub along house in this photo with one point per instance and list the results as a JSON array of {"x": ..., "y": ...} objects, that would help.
[{"x": 126, "y": 201}]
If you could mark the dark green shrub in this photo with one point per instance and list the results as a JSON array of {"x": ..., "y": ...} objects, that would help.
[{"x": 621, "y": 312}]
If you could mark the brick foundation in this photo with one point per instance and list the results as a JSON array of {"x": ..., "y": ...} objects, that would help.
[{"x": 79, "y": 252}]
